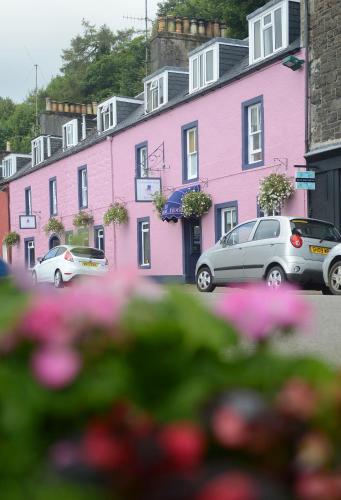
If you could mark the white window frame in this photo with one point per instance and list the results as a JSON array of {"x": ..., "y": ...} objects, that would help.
[
  {"x": 30, "y": 246},
  {"x": 251, "y": 133},
  {"x": 223, "y": 211},
  {"x": 84, "y": 187},
  {"x": 29, "y": 199},
  {"x": 106, "y": 115},
  {"x": 284, "y": 6},
  {"x": 37, "y": 151},
  {"x": 200, "y": 60},
  {"x": 100, "y": 238},
  {"x": 144, "y": 230},
  {"x": 9, "y": 164},
  {"x": 54, "y": 197},
  {"x": 143, "y": 162},
  {"x": 70, "y": 134},
  {"x": 154, "y": 85},
  {"x": 189, "y": 155}
]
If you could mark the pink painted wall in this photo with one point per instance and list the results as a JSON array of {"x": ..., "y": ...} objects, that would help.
[{"x": 220, "y": 167}]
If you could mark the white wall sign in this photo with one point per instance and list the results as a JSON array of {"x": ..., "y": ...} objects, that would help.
[
  {"x": 27, "y": 221},
  {"x": 146, "y": 187}
]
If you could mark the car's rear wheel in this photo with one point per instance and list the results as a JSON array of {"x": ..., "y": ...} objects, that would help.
[
  {"x": 275, "y": 277},
  {"x": 205, "y": 280},
  {"x": 58, "y": 279},
  {"x": 326, "y": 290},
  {"x": 334, "y": 279}
]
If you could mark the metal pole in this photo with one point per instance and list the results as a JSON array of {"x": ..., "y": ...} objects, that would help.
[
  {"x": 36, "y": 92},
  {"x": 146, "y": 28}
]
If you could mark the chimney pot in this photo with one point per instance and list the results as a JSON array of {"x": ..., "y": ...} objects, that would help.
[
  {"x": 54, "y": 106},
  {"x": 60, "y": 107},
  {"x": 66, "y": 107},
  {"x": 170, "y": 24},
  {"x": 8, "y": 147},
  {"x": 216, "y": 29},
  {"x": 186, "y": 27},
  {"x": 223, "y": 30},
  {"x": 178, "y": 24},
  {"x": 201, "y": 28},
  {"x": 72, "y": 107},
  {"x": 161, "y": 24},
  {"x": 83, "y": 109},
  {"x": 48, "y": 104},
  {"x": 209, "y": 29},
  {"x": 194, "y": 27},
  {"x": 94, "y": 107},
  {"x": 89, "y": 109}
]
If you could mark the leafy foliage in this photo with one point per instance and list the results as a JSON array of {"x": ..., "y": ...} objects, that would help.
[
  {"x": 274, "y": 190},
  {"x": 54, "y": 226},
  {"x": 196, "y": 204},
  {"x": 116, "y": 214},
  {"x": 233, "y": 12},
  {"x": 159, "y": 201},
  {"x": 83, "y": 219},
  {"x": 11, "y": 239}
]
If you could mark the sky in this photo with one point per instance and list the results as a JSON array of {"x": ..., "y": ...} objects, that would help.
[{"x": 36, "y": 31}]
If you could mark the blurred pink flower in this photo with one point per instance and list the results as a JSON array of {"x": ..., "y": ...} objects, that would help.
[
  {"x": 55, "y": 367},
  {"x": 45, "y": 320},
  {"x": 230, "y": 486},
  {"x": 257, "y": 311},
  {"x": 65, "y": 454}
]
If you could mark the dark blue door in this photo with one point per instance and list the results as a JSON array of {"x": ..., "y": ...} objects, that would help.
[{"x": 192, "y": 247}]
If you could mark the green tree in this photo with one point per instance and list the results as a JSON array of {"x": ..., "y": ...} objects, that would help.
[{"x": 233, "y": 12}]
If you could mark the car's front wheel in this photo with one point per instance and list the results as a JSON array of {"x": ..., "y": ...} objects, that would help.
[
  {"x": 275, "y": 277},
  {"x": 334, "y": 280},
  {"x": 205, "y": 280},
  {"x": 58, "y": 279}
]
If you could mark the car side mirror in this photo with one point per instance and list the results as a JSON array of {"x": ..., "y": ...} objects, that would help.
[{"x": 40, "y": 259}]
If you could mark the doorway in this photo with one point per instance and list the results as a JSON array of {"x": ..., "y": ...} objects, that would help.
[
  {"x": 54, "y": 241},
  {"x": 191, "y": 247}
]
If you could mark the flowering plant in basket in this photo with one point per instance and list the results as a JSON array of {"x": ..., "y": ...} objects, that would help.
[{"x": 196, "y": 204}]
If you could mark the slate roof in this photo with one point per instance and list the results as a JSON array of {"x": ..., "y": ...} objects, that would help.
[{"x": 240, "y": 70}]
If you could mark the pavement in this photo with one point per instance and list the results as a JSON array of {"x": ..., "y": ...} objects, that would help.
[{"x": 324, "y": 339}]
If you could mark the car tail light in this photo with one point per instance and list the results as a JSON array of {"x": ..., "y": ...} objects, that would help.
[
  {"x": 296, "y": 240},
  {"x": 68, "y": 256}
]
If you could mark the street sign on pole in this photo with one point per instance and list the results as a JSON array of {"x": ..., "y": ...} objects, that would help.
[{"x": 305, "y": 180}]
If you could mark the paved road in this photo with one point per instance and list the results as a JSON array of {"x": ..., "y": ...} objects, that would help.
[{"x": 325, "y": 338}]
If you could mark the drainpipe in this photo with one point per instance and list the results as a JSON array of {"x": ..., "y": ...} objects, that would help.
[
  {"x": 110, "y": 140},
  {"x": 307, "y": 85}
]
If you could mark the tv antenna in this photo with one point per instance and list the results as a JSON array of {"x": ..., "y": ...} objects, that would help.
[{"x": 146, "y": 20}]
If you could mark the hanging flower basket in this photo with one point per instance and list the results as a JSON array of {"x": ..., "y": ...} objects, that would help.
[
  {"x": 274, "y": 190},
  {"x": 116, "y": 214},
  {"x": 11, "y": 239},
  {"x": 159, "y": 201},
  {"x": 54, "y": 226},
  {"x": 83, "y": 219},
  {"x": 195, "y": 204}
]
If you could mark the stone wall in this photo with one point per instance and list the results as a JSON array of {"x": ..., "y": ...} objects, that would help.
[{"x": 325, "y": 72}]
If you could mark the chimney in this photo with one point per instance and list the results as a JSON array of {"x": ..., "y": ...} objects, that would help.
[
  {"x": 8, "y": 147},
  {"x": 174, "y": 38}
]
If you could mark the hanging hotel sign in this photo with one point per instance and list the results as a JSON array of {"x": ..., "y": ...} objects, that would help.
[
  {"x": 146, "y": 188},
  {"x": 305, "y": 180},
  {"x": 27, "y": 222}
]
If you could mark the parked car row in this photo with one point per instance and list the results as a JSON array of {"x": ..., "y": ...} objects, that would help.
[{"x": 275, "y": 249}]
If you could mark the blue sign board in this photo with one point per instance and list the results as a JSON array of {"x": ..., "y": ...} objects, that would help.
[{"x": 305, "y": 180}]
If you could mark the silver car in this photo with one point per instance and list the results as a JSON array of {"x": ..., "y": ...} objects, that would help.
[
  {"x": 274, "y": 249},
  {"x": 332, "y": 270}
]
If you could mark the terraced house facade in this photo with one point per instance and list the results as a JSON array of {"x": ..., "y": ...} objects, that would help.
[{"x": 234, "y": 114}]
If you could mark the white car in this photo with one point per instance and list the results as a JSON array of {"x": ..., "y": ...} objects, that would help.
[{"x": 62, "y": 263}]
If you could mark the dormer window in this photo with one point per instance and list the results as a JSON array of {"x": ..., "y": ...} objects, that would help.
[
  {"x": 156, "y": 93},
  {"x": 271, "y": 29},
  {"x": 8, "y": 168},
  {"x": 106, "y": 115},
  {"x": 12, "y": 163},
  {"x": 37, "y": 150},
  {"x": 203, "y": 68},
  {"x": 70, "y": 134}
]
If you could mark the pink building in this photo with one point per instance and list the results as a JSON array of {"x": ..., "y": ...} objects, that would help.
[{"x": 235, "y": 116}]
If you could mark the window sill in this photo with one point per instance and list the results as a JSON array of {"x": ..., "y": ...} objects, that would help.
[
  {"x": 144, "y": 266},
  {"x": 249, "y": 166}
]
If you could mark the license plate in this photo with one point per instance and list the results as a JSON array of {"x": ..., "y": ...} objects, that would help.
[
  {"x": 89, "y": 264},
  {"x": 319, "y": 250}
]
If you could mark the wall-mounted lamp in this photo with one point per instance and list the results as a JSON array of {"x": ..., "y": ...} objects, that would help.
[{"x": 293, "y": 62}]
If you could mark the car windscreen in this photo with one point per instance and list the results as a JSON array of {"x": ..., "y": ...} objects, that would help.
[
  {"x": 308, "y": 228},
  {"x": 88, "y": 253}
]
